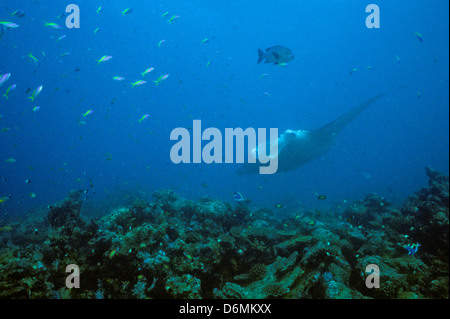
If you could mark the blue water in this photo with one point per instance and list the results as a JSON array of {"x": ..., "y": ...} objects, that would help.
[{"x": 384, "y": 150}]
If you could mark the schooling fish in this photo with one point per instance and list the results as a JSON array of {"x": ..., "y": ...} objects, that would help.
[
  {"x": 33, "y": 58},
  {"x": 147, "y": 71},
  {"x": 419, "y": 36},
  {"x": 127, "y": 11},
  {"x": 161, "y": 78},
  {"x": 144, "y": 117},
  {"x": 18, "y": 13},
  {"x": 172, "y": 18},
  {"x": 140, "y": 82},
  {"x": 104, "y": 59},
  {"x": 9, "y": 25},
  {"x": 87, "y": 113},
  {"x": 276, "y": 55},
  {"x": 36, "y": 93},
  {"x": 4, "y": 78},
  {"x": 52, "y": 25},
  {"x": 9, "y": 91}
]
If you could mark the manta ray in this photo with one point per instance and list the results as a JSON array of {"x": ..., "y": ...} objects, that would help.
[{"x": 296, "y": 148}]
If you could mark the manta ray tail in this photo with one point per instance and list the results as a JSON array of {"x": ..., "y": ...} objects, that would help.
[{"x": 337, "y": 125}]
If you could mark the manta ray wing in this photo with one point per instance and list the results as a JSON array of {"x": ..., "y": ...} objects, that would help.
[{"x": 302, "y": 146}]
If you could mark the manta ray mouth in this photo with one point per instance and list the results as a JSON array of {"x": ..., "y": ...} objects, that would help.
[{"x": 276, "y": 146}]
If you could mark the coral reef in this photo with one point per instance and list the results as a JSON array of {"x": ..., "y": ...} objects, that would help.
[{"x": 172, "y": 247}]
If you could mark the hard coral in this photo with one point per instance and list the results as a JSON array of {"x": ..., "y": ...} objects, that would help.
[
  {"x": 275, "y": 290},
  {"x": 257, "y": 272}
]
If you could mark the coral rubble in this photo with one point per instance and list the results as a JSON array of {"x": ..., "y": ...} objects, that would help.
[{"x": 178, "y": 248}]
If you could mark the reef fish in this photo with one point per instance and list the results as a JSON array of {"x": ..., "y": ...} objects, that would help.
[
  {"x": 36, "y": 93},
  {"x": 4, "y": 77},
  {"x": 276, "y": 55},
  {"x": 9, "y": 91},
  {"x": 238, "y": 196},
  {"x": 18, "y": 13},
  {"x": 6, "y": 228},
  {"x": 412, "y": 248},
  {"x": 320, "y": 196},
  {"x": 147, "y": 71},
  {"x": 127, "y": 11},
  {"x": 104, "y": 59},
  {"x": 52, "y": 25},
  {"x": 419, "y": 36},
  {"x": 145, "y": 116},
  {"x": 298, "y": 147},
  {"x": 9, "y": 25},
  {"x": 139, "y": 82},
  {"x": 4, "y": 199},
  {"x": 161, "y": 78},
  {"x": 88, "y": 112}
]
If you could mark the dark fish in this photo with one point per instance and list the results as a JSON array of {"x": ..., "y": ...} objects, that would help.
[
  {"x": 276, "y": 55},
  {"x": 238, "y": 196},
  {"x": 320, "y": 196},
  {"x": 419, "y": 36},
  {"x": 61, "y": 15},
  {"x": 127, "y": 11},
  {"x": 18, "y": 13}
]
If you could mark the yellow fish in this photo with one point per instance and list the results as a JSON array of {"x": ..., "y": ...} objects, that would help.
[
  {"x": 3, "y": 199},
  {"x": 10, "y": 160},
  {"x": 113, "y": 252}
]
